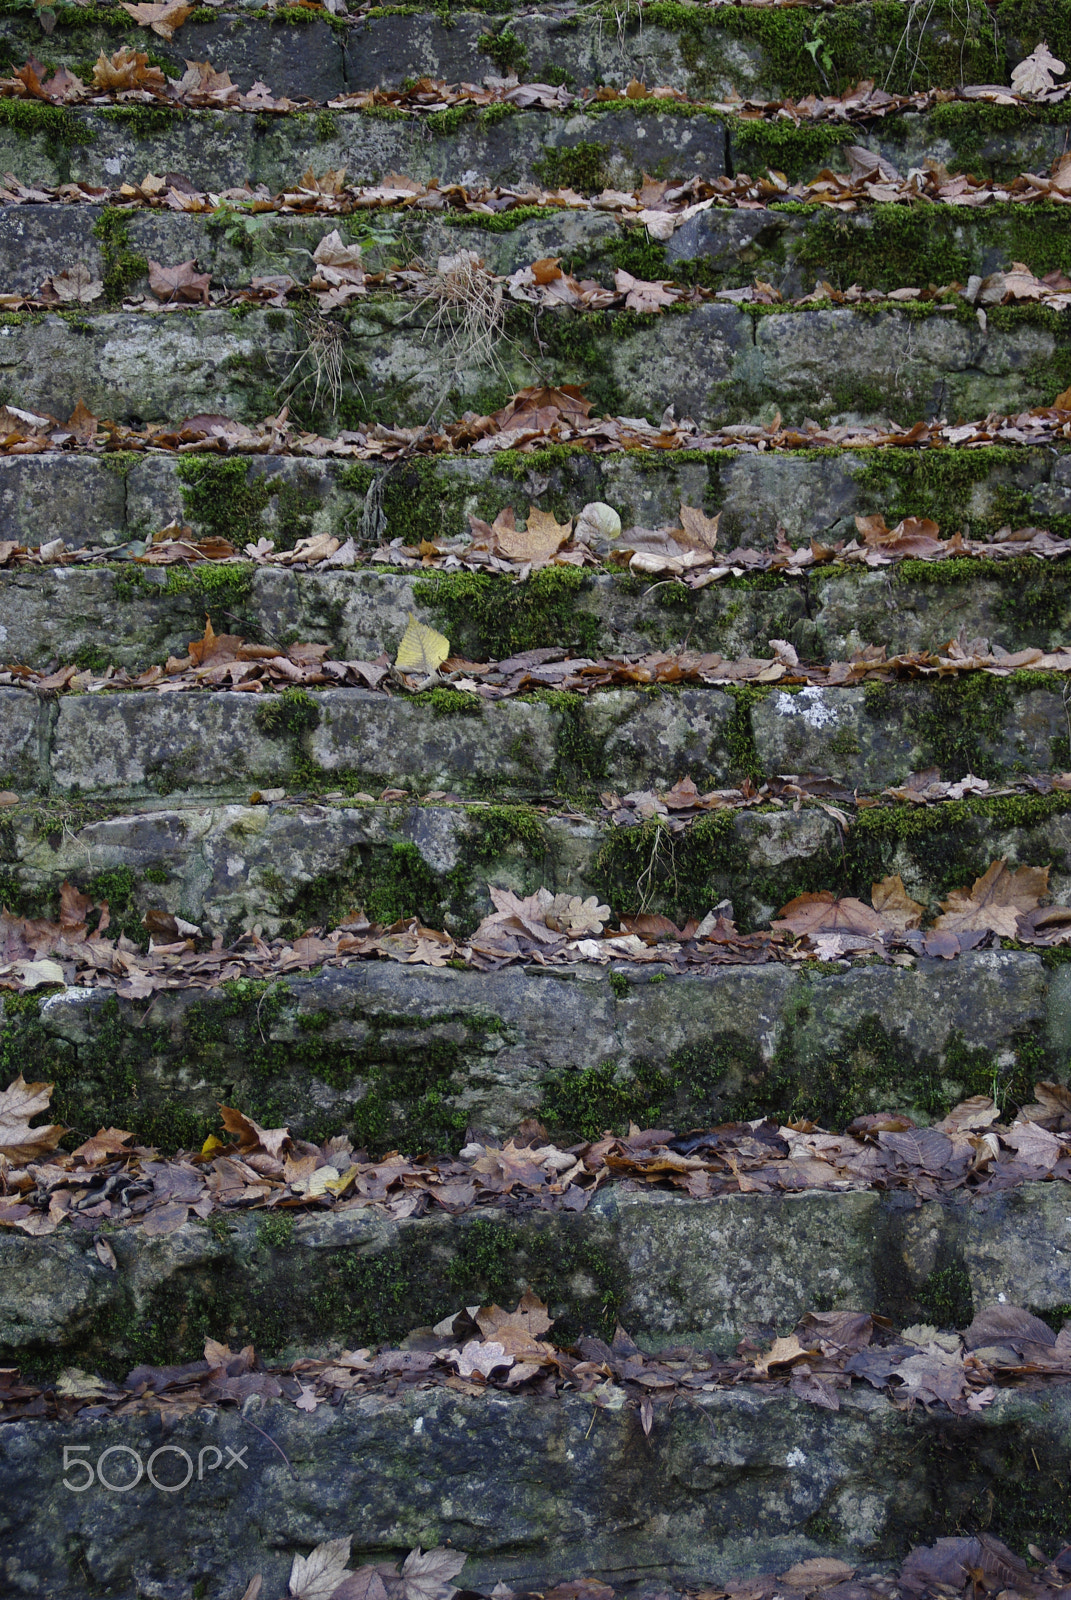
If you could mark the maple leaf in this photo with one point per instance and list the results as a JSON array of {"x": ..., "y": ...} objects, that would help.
[
  {"x": 427, "y": 1576},
  {"x": 108, "y": 1142},
  {"x": 318, "y": 1575},
  {"x": 538, "y": 542},
  {"x": 825, "y": 912},
  {"x": 894, "y": 905},
  {"x": 641, "y": 296},
  {"x": 18, "y": 1103},
  {"x": 1037, "y": 72},
  {"x": 701, "y": 530},
  {"x": 126, "y": 69},
  {"x": 782, "y": 1353},
  {"x": 251, "y": 1135},
  {"x": 73, "y": 285},
  {"x": 515, "y": 1329},
  {"x": 364, "y": 1584},
  {"x": 162, "y": 18},
  {"x": 182, "y": 282},
  {"x": 994, "y": 902},
  {"x": 482, "y": 1359}
]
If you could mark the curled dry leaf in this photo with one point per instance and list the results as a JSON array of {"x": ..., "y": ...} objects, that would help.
[{"x": 18, "y": 1104}]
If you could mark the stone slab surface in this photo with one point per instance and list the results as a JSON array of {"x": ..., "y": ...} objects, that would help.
[
  {"x": 60, "y": 613},
  {"x": 712, "y": 362},
  {"x": 140, "y": 743},
  {"x": 777, "y": 246},
  {"x": 528, "y": 1489},
  {"x": 294, "y": 863},
  {"x": 703, "y": 1272},
  {"x": 89, "y": 500},
  {"x": 214, "y": 150},
  {"x": 335, "y": 1052}
]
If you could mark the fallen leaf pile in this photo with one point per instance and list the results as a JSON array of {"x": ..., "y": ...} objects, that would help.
[
  {"x": 109, "y": 1180},
  {"x": 533, "y": 418},
  {"x": 677, "y": 807},
  {"x": 541, "y": 929},
  {"x": 483, "y": 1349},
  {"x": 340, "y": 277},
  {"x": 661, "y": 207},
  {"x": 227, "y": 661},
  {"x": 127, "y": 75},
  {"x": 965, "y": 1566}
]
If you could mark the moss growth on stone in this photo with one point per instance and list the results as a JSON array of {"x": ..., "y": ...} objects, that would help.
[
  {"x": 491, "y": 617},
  {"x": 122, "y": 266},
  {"x": 582, "y": 167}
]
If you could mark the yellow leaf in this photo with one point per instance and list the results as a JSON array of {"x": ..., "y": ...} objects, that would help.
[
  {"x": 211, "y": 1145},
  {"x": 421, "y": 649}
]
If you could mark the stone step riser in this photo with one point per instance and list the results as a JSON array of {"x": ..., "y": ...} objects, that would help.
[
  {"x": 140, "y": 743},
  {"x": 408, "y": 1057},
  {"x": 723, "y": 248},
  {"x": 703, "y": 57},
  {"x": 293, "y": 866},
  {"x": 88, "y": 500},
  {"x": 530, "y": 1490},
  {"x": 587, "y": 150},
  {"x": 715, "y": 364},
  {"x": 123, "y": 615},
  {"x": 670, "y": 1270}
]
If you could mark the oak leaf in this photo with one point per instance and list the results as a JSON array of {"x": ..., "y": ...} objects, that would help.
[{"x": 1037, "y": 72}]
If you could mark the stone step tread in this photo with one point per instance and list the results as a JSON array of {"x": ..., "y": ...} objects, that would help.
[
  {"x": 215, "y": 150},
  {"x": 123, "y": 745},
  {"x": 715, "y": 363},
  {"x": 670, "y": 1270},
  {"x": 724, "y": 248},
  {"x": 295, "y": 863},
  {"x": 558, "y": 1487},
  {"x": 695, "y": 50},
  {"x": 409, "y": 1057},
  {"x": 130, "y": 616},
  {"x": 109, "y": 499}
]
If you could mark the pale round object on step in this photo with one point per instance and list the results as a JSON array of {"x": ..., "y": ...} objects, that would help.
[{"x": 597, "y": 521}]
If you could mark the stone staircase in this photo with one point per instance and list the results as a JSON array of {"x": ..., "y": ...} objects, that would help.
[{"x": 281, "y": 812}]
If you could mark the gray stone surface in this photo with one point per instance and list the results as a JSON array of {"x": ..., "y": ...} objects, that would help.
[
  {"x": 138, "y": 743},
  {"x": 871, "y": 743},
  {"x": 703, "y": 1272},
  {"x": 507, "y": 1045},
  {"x": 88, "y": 500},
  {"x": 712, "y": 363},
  {"x": 528, "y": 1489},
  {"x": 397, "y": 742},
  {"x": 130, "y": 744},
  {"x": 214, "y": 150},
  {"x": 23, "y": 722}
]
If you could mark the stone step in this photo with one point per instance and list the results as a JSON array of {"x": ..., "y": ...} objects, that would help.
[
  {"x": 138, "y": 743},
  {"x": 109, "y": 499},
  {"x": 409, "y": 1057},
  {"x": 586, "y": 150},
  {"x": 133, "y": 616},
  {"x": 715, "y": 363},
  {"x": 670, "y": 1270},
  {"x": 878, "y": 247},
  {"x": 302, "y": 862},
  {"x": 528, "y": 1489},
  {"x": 711, "y": 56}
]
